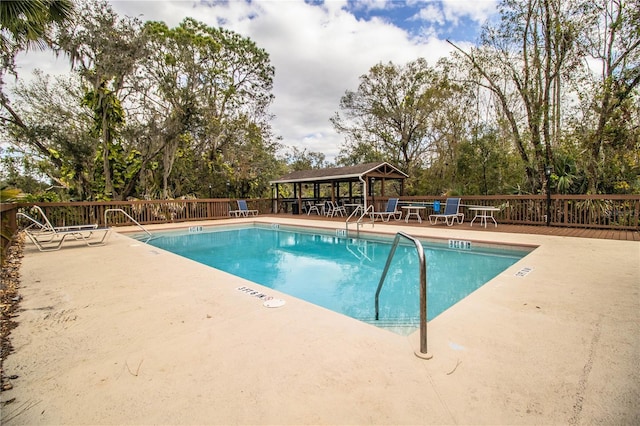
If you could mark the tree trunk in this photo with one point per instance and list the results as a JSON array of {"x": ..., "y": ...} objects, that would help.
[{"x": 106, "y": 167}]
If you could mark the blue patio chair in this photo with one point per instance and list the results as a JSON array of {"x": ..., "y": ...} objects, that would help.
[
  {"x": 243, "y": 210},
  {"x": 389, "y": 212},
  {"x": 451, "y": 213}
]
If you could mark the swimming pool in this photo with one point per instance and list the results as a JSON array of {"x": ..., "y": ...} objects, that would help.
[{"x": 340, "y": 273}]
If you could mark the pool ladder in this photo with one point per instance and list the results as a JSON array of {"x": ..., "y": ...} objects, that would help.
[
  {"x": 358, "y": 209},
  {"x": 424, "y": 354}
]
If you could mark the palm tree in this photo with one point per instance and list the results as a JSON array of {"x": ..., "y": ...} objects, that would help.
[{"x": 26, "y": 23}]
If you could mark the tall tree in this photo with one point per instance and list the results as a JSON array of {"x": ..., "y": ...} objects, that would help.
[
  {"x": 52, "y": 115},
  {"x": 393, "y": 113},
  {"x": 520, "y": 61},
  {"x": 213, "y": 86},
  {"x": 612, "y": 38},
  {"x": 193, "y": 109},
  {"x": 105, "y": 50}
]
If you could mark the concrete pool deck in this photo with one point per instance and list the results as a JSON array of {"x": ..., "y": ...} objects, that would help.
[{"x": 130, "y": 334}]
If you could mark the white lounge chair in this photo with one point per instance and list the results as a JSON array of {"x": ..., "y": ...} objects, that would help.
[
  {"x": 451, "y": 213},
  {"x": 47, "y": 227},
  {"x": 243, "y": 210},
  {"x": 47, "y": 237},
  {"x": 389, "y": 212},
  {"x": 53, "y": 241}
]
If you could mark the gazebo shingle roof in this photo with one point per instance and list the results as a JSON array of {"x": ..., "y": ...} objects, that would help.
[{"x": 377, "y": 170}]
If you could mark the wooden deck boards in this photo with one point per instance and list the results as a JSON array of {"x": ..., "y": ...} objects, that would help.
[{"x": 608, "y": 234}]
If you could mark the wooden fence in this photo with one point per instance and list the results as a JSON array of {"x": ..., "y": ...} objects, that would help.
[
  {"x": 9, "y": 226},
  {"x": 620, "y": 212},
  {"x": 574, "y": 211}
]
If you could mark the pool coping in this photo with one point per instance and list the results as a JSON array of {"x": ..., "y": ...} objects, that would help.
[{"x": 536, "y": 348}]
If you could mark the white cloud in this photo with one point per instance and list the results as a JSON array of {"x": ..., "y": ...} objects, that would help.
[
  {"x": 431, "y": 14},
  {"x": 476, "y": 10},
  {"x": 318, "y": 52},
  {"x": 374, "y": 4}
]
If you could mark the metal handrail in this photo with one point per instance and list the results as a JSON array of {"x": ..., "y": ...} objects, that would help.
[
  {"x": 423, "y": 289},
  {"x": 359, "y": 221},
  {"x": 127, "y": 215}
]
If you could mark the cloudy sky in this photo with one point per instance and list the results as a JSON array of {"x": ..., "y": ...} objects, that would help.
[{"x": 320, "y": 48}]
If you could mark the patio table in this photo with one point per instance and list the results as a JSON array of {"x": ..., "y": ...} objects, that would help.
[
  {"x": 413, "y": 210},
  {"x": 484, "y": 213}
]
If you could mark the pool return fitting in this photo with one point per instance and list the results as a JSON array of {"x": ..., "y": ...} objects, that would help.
[{"x": 422, "y": 353}]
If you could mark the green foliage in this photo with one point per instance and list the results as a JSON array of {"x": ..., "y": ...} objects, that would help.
[
  {"x": 206, "y": 80},
  {"x": 566, "y": 177},
  {"x": 196, "y": 111},
  {"x": 360, "y": 153},
  {"x": 124, "y": 166},
  {"x": 9, "y": 195},
  {"x": 522, "y": 81},
  {"x": 484, "y": 166},
  {"x": 108, "y": 114}
]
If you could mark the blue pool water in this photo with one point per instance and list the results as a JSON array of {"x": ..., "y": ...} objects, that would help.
[{"x": 342, "y": 274}]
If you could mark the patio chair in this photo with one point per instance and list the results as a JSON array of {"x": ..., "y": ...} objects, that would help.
[
  {"x": 312, "y": 207},
  {"x": 333, "y": 209},
  {"x": 327, "y": 209},
  {"x": 451, "y": 213},
  {"x": 389, "y": 212},
  {"x": 243, "y": 210}
]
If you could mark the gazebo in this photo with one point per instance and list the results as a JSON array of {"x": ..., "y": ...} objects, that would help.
[{"x": 307, "y": 183}]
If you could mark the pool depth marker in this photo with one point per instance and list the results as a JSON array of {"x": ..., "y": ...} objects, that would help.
[{"x": 269, "y": 301}]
